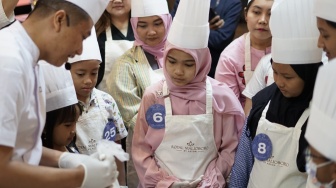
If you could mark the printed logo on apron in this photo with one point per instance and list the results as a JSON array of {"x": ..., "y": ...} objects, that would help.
[
  {"x": 280, "y": 169},
  {"x": 91, "y": 128},
  {"x": 188, "y": 145}
]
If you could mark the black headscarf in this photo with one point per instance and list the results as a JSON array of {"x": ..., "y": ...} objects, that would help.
[{"x": 285, "y": 111}]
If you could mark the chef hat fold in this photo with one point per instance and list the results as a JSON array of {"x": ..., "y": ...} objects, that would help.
[
  {"x": 60, "y": 90},
  {"x": 321, "y": 127},
  {"x": 294, "y": 32},
  {"x": 190, "y": 27},
  {"x": 144, "y": 8},
  {"x": 94, "y": 8},
  {"x": 325, "y": 9},
  {"x": 90, "y": 49}
]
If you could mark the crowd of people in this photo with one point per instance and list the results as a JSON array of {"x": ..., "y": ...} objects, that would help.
[{"x": 132, "y": 93}]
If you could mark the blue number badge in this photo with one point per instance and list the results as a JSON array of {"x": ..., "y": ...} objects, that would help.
[
  {"x": 262, "y": 147},
  {"x": 110, "y": 130},
  {"x": 155, "y": 116}
]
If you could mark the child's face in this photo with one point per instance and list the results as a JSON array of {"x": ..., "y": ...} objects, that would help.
[
  {"x": 324, "y": 174},
  {"x": 257, "y": 19},
  {"x": 327, "y": 38},
  {"x": 151, "y": 30},
  {"x": 64, "y": 134},
  {"x": 289, "y": 83},
  {"x": 180, "y": 66},
  {"x": 84, "y": 75}
]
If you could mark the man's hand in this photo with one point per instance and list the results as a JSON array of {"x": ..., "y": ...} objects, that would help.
[{"x": 216, "y": 23}]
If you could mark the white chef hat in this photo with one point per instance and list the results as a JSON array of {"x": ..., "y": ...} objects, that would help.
[
  {"x": 321, "y": 127},
  {"x": 144, "y": 8},
  {"x": 60, "y": 90},
  {"x": 294, "y": 32},
  {"x": 94, "y": 8},
  {"x": 325, "y": 9},
  {"x": 190, "y": 27},
  {"x": 90, "y": 49}
]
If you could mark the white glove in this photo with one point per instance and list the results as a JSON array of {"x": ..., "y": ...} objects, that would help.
[
  {"x": 184, "y": 184},
  {"x": 99, "y": 173},
  {"x": 195, "y": 182}
]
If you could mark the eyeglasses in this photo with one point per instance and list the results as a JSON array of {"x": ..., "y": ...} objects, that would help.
[{"x": 309, "y": 156}]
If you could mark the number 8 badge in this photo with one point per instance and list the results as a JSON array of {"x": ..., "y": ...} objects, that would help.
[
  {"x": 155, "y": 116},
  {"x": 262, "y": 147}
]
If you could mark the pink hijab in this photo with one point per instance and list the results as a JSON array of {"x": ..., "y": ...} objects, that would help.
[
  {"x": 191, "y": 98},
  {"x": 157, "y": 50}
]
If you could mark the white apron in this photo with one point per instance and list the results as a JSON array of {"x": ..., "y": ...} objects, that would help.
[
  {"x": 280, "y": 170},
  {"x": 89, "y": 129},
  {"x": 113, "y": 50},
  {"x": 248, "y": 73},
  {"x": 188, "y": 145}
]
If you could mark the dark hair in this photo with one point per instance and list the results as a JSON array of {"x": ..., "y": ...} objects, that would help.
[
  {"x": 249, "y": 5},
  {"x": 45, "y": 8},
  {"x": 104, "y": 22},
  {"x": 331, "y": 24},
  {"x": 57, "y": 117}
]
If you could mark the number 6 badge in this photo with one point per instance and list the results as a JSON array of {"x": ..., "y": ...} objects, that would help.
[
  {"x": 155, "y": 116},
  {"x": 262, "y": 147}
]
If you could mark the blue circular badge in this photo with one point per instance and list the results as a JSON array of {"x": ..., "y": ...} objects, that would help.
[
  {"x": 110, "y": 131},
  {"x": 262, "y": 147},
  {"x": 155, "y": 116}
]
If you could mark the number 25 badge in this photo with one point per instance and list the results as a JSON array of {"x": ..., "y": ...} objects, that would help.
[
  {"x": 109, "y": 130},
  {"x": 155, "y": 116},
  {"x": 262, "y": 147}
]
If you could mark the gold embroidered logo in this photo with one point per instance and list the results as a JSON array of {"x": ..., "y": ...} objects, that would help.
[
  {"x": 271, "y": 161},
  {"x": 189, "y": 147}
]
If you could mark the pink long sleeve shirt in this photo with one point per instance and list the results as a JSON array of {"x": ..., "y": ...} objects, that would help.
[
  {"x": 231, "y": 65},
  {"x": 146, "y": 140}
]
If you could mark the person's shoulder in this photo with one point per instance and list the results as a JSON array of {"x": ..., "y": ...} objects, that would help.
[
  {"x": 234, "y": 52},
  {"x": 264, "y": 95},
  {"x": 154, "y": 92},
  {"x": 236, "y": 46},
  {"x": 106, "y": 96},
  {"x": 10, "y": 51},
  {"x": 225, "y": 96},
  {"x": 127, "y": 57}
]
